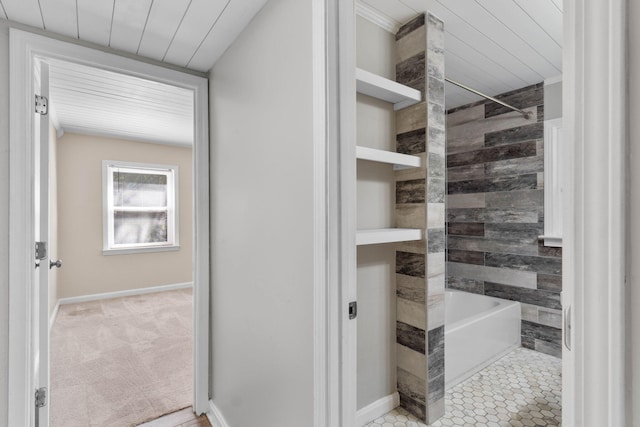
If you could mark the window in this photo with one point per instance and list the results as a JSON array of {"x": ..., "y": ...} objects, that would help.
[
  {"x": 553, "y": 163},
  {"x": 140, "y": 207}
]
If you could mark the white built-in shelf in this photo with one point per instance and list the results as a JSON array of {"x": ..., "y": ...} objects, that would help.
[
  {"x": 387, "y": 235},
  {"x": 398, "y": 160},
  {"x": 399, "y": 95}
]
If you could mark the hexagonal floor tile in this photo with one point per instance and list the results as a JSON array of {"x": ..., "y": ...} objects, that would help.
[{"x": 524, "y": 388}]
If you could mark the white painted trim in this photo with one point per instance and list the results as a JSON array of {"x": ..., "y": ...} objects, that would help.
[
  {"x": 141, "y": 250},
  {"x": 377, "y": 409},
  {"x": 595, "y": 121},
  {"x": 215, "y": 416},
  {"x": 125, "y": 293},
  {"x": 398, "y": 160},
  {"x": 553, "y": 80},
  {"x": 551, "y": 241},
  {"x": 172, "y": 173},
  {"x": 201, "y": 248},
  {"x": 55, "y": 121},
  {"x": 21, "y": 234},
  {"x": 376, "y": 17},
  {"x": 377, "y": 236},
  {"x": 25, "y": 47},
  {"x": 345, "y": 253},
  {"x": 334, "y": 222},
  {"x": 379, "y": 87},
  {"x": 54, "y": 315},
  {"x": 321, "y": 357}
]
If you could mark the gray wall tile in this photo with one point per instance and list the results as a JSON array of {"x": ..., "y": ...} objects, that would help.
[
  {"x": 550, "y": 282},
  {"x": 465, "y": 229},
  {"x": 410, "y": 26},
  {"x": 410, "y": 264},
  {"x": 488, "y": 185},
  {"x": 410, "y": 336},
  {"x": 503, "y": 276},
  {"x": 412, "y": 191},
  {"x": 413, "y": 142},
  {"x": 466, "y": 257},
  {"x": 520, "y": 98},
  {"x": 509, "y": 136},
  {"x": 483, "y": 155},
  {"x": 529, "y": 296},
  {"x": 546, "y": 265},
  {"x": 467, "y": 285},
  {"x": 541, "y": 332}
]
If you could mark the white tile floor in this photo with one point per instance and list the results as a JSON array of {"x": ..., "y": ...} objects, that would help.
[{"x": 523, "y": 388}]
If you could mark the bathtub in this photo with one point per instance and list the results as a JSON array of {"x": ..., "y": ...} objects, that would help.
[{"x": 478, "y": 331}]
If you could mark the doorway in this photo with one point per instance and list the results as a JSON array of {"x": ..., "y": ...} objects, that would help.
[
  {"x": 27, "y": 317},
  {"x": 121, "y": 221}
]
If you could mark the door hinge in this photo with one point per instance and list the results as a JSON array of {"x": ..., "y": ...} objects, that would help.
[
  {"x": 41, "y": 397},
  {"x": 353, "y": 310},
  {"x": 41, "y": 250},
  {"x": 42, "y": 105}
]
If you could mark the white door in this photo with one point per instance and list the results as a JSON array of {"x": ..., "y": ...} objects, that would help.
[{"x": 41, "y": 223}]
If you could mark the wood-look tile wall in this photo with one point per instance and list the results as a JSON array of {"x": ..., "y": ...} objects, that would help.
[
  {"x": 420, "y": 196},
  {"x": 495, "y": 212}
]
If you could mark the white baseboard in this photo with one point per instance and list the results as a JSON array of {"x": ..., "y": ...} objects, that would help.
[
  {"x": 53, "y": 316},
  {"x": 377, "y": 409},
  {"x": 215, "y": 417},
  {"x": 128, "y": 292}
]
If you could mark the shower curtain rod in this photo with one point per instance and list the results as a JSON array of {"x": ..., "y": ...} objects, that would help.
[{"x": 526, "y": 114}]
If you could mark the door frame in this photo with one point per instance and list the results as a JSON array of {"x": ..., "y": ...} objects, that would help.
[
  {"x": 594, "y": 258},
  {"x": 335, "y": 220},
  {"x": 25, "y": 47}
]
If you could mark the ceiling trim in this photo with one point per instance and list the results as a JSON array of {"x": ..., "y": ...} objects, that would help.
[
  {"x": 376, "y": 17},
  {"x": 123, "y": 137}
]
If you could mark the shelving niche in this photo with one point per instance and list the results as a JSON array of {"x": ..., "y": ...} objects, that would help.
[
  {"x": 400, "y": 96},
  {"x": 379, "y": 87}
]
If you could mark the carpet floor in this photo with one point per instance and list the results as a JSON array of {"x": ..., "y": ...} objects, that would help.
[{"x": 122, "y": 361}]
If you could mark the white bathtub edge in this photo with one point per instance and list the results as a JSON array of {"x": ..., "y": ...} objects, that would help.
[
  {"x": 471, "y": 372},
  {"x": 377, "y": 409}
]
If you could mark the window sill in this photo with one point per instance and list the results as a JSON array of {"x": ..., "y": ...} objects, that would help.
[
  {"x": 554, "y": 242},
  {"x": 126, "y": 251}
]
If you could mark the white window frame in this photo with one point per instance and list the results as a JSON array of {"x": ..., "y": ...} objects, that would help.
[
  {"x": 553, "y": 161},
  {"x": 173, "y": 226}
]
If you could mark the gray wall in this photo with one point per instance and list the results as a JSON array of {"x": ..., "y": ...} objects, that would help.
[
  {"x": 633, "y": 272},
  {"x": 375, "y": 52},
  {"x": 4, "y": 218},
  {"x": 262, "y": 221},
  {"x": 553, "y": 101},
  {"x": 495, "y": 212}
]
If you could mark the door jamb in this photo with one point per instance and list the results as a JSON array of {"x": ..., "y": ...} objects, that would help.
[
  {"x": 594, "y": 262},
  {"x": 334, "y": 198},
  {"x": 25, "y": 47}
]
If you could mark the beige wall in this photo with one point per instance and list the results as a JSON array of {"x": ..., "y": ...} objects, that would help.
[
  {"x": 375, "y": 52},
  {"x": 86, "y": 270}
]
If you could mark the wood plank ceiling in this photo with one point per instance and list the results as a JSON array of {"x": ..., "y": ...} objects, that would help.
[
  {"x": 493, "y": 46},
  {"x": 89, "y": 100},
  {"x": 187, "y": 33}
]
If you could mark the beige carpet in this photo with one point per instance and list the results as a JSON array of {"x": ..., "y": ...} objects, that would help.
[{"x": 123, "y": 361}]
